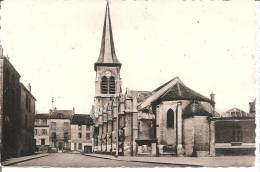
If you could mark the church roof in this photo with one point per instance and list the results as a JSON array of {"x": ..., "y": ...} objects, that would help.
[
  {"x": 173, "y": 90},
  {"x": 107, "y": 54},
  {"x": 195, "y": 109},
  {"x": 140, "y": 95},
  {"x": 181, "y": 92}
]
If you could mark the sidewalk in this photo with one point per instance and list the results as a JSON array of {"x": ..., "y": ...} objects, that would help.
[
  {"x": 22, "y": 159},
  {"x": 220, "y": 161}
]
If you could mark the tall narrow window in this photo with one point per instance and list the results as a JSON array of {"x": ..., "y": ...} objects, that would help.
[
  {"x": 170, "y": 119},
  {"x": 104, "y": 85},
  {"x": 112, "y": 85}
]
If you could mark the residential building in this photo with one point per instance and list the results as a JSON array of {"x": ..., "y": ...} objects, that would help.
[
  {"x": 17, "y": 109},
  {"x": 42, "y": 132},
  {"x": 60, "y": 134},
  {"x": 81, "y": 133},
  {"x": 27, "y": 112},
  {"x": 63, "y": 130},
  {"x": 9, "y": 108}
]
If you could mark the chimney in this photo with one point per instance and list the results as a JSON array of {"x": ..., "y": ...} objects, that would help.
[{"x": 29, "y": 87}]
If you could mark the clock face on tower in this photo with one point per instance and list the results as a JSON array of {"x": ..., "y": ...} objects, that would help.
[{"x": 107, "y": 74}]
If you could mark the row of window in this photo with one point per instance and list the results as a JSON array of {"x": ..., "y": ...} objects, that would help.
[
  {"x": 53, "y": 135},
  {"x": 40, "y": 132},
  {"x": 87, "y": 136},
  {"x": 80, "y": 127},
  {"x": 40, "y": 122}
]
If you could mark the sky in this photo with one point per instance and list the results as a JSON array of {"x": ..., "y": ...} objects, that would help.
[{"x": 210, "y": 45}]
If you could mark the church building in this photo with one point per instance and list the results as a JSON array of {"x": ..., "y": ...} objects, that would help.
[{"x": 170, "y": 120}]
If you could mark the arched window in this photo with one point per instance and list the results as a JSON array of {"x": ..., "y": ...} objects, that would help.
[
  {"x": 104, "y": 85},
  {"x": 108, "y": 85},
  {"x": 112, "y": 85},
  {"x": 170, "y": 119}
]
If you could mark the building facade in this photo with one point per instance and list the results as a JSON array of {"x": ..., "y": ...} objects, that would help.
[
  {"x": 173, "y": 119},
  {"x": 17, "y": 109},
  {"x": 60, "y": 133},
  {"x": 63, "y": 131},
  {"x": 27, "y": 112},
  {"x": 41, "y": 132},
  {"x": 81, "y": 133},
  {"x": 9, "y": 108},
  {"x": 235, "y": 132}
]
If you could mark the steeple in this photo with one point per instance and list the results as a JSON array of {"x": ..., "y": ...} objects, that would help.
[{"x": 107, "y": 56}]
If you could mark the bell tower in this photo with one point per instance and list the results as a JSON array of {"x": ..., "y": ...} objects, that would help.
[{"x": 107, "y": 67}]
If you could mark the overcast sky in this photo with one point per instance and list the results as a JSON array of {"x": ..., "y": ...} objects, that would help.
[{"x": 210, "y": 45}]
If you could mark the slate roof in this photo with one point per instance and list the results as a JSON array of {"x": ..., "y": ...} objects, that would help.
[
  {"x": 173, "y": 90},
  {"x": 42, "y": 116},
  {"x": 61, "y": 114},
  {"x": 140, "y": 95},
  {"x": 107, "y": 54},
  {"x": 181, "y": 92},
  {"x": 195, "y": 109},
  {"x": 82, "y": 119}
]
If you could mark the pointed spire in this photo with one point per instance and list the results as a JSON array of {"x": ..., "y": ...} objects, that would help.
[{"x": 107, "y": 54}]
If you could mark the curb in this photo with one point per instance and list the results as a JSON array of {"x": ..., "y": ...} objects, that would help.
[
  {"x": 6, "y": 163},
  {"x": 152, "y": 162}
]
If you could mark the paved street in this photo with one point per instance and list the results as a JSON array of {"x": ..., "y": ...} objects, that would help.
[{"x": 78, "y": 160}]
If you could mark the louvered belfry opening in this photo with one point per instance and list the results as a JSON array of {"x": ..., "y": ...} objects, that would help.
[
  {"x": 112, "y": 85},
  {"x": 104, "y": 85},
  {"x": 108, "y": 85}
]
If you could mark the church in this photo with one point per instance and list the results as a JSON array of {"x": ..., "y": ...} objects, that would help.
[{"x": 170, "y": 120}]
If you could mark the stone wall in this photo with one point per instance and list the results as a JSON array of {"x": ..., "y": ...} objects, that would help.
[
  {"x": 225, "y": 130},
  {"x": 188, "y": 136},
  {"x": 201, "y": 135},
  {"x": 10, "y": 112},
  {"x": 27, "y": 107},
  {"x": 167, "y": 136},
  {"x": 195, "y": 130}
]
